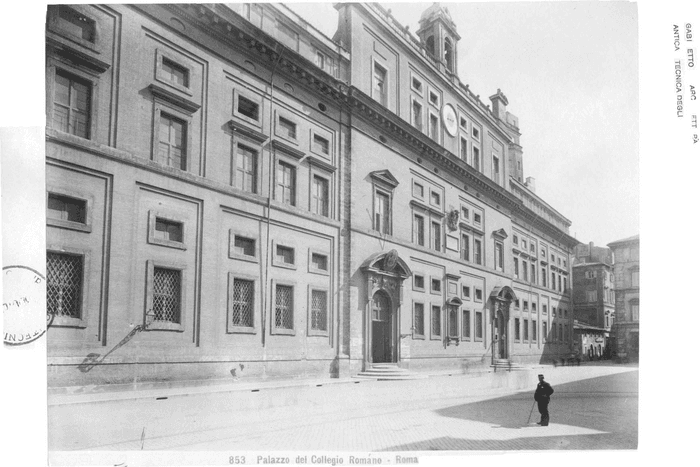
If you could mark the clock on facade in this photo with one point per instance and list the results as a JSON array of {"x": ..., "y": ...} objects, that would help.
[{"x": 449, "y": 119}]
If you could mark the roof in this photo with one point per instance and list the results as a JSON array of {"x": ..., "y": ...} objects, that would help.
[
  {"x": 581, "y": 325},
  {"x": 633, "y": 239}
]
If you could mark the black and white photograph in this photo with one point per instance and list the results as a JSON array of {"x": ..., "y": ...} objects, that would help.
[{"x": 345, "y": 233}]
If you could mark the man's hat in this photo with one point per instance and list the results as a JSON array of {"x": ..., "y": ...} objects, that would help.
[{"x": 540, "y": 375}]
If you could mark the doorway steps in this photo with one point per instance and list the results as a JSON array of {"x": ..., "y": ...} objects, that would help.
[
  {"x": 388, "y": 372},
  {"x": 503, "y": 364}
]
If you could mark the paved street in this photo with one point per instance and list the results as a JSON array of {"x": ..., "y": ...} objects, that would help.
[{"x": 592, "y": 409}]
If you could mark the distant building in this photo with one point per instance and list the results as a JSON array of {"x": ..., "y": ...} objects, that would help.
[
  {"x": 626, "y": 270},
  {"x": 230, "y": 193},
  {"x": 594, "y": 298}
]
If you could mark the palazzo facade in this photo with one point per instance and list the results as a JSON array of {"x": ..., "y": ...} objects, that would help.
[{"x": 232, "y": 194}]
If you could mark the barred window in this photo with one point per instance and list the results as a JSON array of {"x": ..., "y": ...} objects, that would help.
[
  {"x": 419, "y": 319},
  {"x": 319, "y": 310},
  {"x": 478, "y": 325},
  {"x": 64, "y": 284},
  {"x": 284, "y": 307},
  {"x": 242, "y": 303},
  {"x": 466, "y": 324},
  {"x": 166, "y": 295},
  {"x": 436, "y": 321}
]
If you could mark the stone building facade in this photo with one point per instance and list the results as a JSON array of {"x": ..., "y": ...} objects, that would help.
[
  {"x": 594, "y": 297},
  {"x": 230, "y": 194},
  {"x": 626, "y": 269}
]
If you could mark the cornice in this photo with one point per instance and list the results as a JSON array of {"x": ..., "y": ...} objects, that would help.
[
  {"x": 168, "y": 96},
  {"x": 255, "y": 135},
  {"x": 287, "y": 149},
  {"x": 74, "y": 55},
  {"x": 418, "y": 205}
]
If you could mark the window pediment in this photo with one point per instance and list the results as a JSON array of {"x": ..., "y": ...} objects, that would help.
[
  {"x": 500, "y": 234},
  {"x": 385, "y": 177},
  {"x": 171, "y": 98},
  {"x": 287, "y": 149},
  {"x": 256, "y": 136}
]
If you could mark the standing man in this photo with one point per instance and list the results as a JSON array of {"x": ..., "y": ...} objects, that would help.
[{"x": 542, "y": 393}]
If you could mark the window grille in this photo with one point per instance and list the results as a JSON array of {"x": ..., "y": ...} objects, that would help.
[
  {"x": 242, "y": 303},
  {"x": 64, "y": 284},
  {"x": 284, "y": 307},
  {"x": 466, "y": 323},
  {"x": 418, "y": 319},
  {"x": 436, "y": 321},
  {"x": 166, "y": 295},
  {"x": 319, "y": 310}
]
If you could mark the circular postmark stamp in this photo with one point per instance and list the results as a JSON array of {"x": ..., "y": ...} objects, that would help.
[{"x": 23, "y": 304}]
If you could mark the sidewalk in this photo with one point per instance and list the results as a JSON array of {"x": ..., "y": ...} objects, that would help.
[{"x": 476, "y": 383}]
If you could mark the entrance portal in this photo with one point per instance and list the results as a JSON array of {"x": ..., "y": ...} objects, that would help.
[
  {"x": 502, "y": 338},
  {"x": 382, "y": 348}
]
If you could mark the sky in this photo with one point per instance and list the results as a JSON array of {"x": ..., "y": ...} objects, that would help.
[{"x": 569, "y": 71}]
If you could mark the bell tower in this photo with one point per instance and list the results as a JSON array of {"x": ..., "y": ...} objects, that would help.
[{"x": 438, "y": 33}]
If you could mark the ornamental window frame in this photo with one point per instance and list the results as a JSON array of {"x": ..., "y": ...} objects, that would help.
[
  {"x": 80, "y": 322},
  {"x": 415, "y": 286},
  {"x": 312, "y": 266},
  {"x": 72, "y": 73},
  {"x": 161, "y": 74},
  {"x": 154, "y": 216},
  {"x": 282, "y": 264},
  {"x": 255, "y": 150},
  {"x": 161, "y": 109},
  {"x": 86, "y": 200},
  {"x": 246, "y": 235},
  {"x": 252, "y": 97}
]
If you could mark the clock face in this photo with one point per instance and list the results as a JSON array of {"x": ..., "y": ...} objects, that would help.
[{"x": 449, "y": 119}]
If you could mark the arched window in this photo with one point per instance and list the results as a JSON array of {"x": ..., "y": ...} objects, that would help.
[
  {"x": 430, "y": 45},
  {"x": 449, "y": 55}
]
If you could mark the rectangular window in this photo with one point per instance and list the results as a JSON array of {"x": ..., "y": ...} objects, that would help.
[
  {"x": 476, "y": 158},
  {"x": 419, "y": 230},
  {"x": 418, "y": 190},
  {"x": 319, "y": 261},
  {"x": 496, "y": 170},
  {"x": 499, "y": 256},
  {"x": 416, "y": 85},
  {"x": 284, "y": 307},
  {"x": 635, "y": 278},
  {"x": 379, "y": 84},
  {"x": 435, "y": 198},
  {"x": 320, "y": 60},
  {"x": 242, "y": 302},
  {"x": 465, "y": 247},
  {"x": 433, "y": 98},
  {"x": 171, "y": 145},
  {"x": 463, "y": 123},
  {"x": 562, "y": 337},
  {"x": 478, "y": 325},
  {"x": 417, "y": 115},
  {"x": 544, "y": 332},
  {"x": 478, "y": 294},
  {"x": 477, "y": 251},
  {"x": 246, "y": 169},
  {"x": 319, "y": 196},
  {"x": 544, "y": 277},
  {"x": 76, "y": 24},
  {"x": 591, "y": 295},
  {"x": 534, "y": 330},
  {"x": 244, "y": 246},
  {"x": 287, "y": 128},
  {"x": 321, "y": 145},
  {"x": 177, "y": 74},
  {"x": 525, "y": 332},
  {"x": 463, "y": 149},
  {"x": 248, "y": 108},
  {"x": 166, "y": 295},
  {"x": 544, "y": 309},
  {"x": 526, "y": 305},
  {"x": 554, "y": 281},
  {"x": 287, "y": 36},
  {"x": 477, "y": 218},
  {"x": 168, "y": 230},
  {"x": 381, "y": 213},
  {"x": 434, "y": 127},
  {"x": 71, "y": 110},
  {"x": 436, "y": 329},
  {"x": 319, "y": 310},
  {"x": 516, "y": 327},
  {"x": 453, "y": 322},
  {"x": 418, "y": 319},
  {"x": 533, "y": 273},
  {"x": 286, "y": 183},
  {"x": 466, "y": 324},
  {"x": 435, "y": 285},
  {"x": 466, "y": 292},
  {"x": 476, "y": 133},
  {"x": 465, "y": 214},
  {"x": 64, "y": 285},
  {"x": 524, "y": 270},
  {"x": 437, "y": 237},
  {"x": 66, "y": 208},
  {"x": 418, "y": 282},
  {"x": 516, "y": 267},
  {"x": 559, "y": 282},
  {"x": 284, "y": 255}
]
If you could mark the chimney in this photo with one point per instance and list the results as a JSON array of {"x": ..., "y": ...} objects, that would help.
[
  {"x": 590, "y": 252},
  {"x": 499, "y": 101},
  {"x": 530, "y": 183}
]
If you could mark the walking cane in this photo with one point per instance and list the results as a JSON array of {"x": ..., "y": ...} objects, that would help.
[{"x": 533, "y": 408}]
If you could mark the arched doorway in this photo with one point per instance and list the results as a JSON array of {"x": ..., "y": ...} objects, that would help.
[
  {"x": 501, "y": 299},
  {"x": 382, "y": 326}
]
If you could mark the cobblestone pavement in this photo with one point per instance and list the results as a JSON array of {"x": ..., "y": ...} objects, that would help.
[{"x": 374, "y": 416}]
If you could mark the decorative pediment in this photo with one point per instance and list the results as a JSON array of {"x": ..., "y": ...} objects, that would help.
[
  {"x": 385, "y": 177},
  {"x": 388, "y": 262},
  {"x": 77, "y": 57},
  {"x": 454, "y": 301},
  {"x": 320, "y": 163},
  {"x": 504, "y": 293},
  {"x": 287, "y": 149},
  {"x": 172, "y": 98},
  {"x": 500, "y": 234},
  {"x": 247, "y": 132}
]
